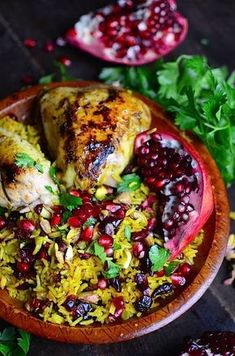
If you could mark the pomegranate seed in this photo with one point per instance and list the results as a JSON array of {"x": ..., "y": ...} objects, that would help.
[
  {"x": 109, "y": 251},
  {"x": 49, "y": 47},
  {"x": 75, "y": 193},
  {"x": 161, "y": 273},
  {"x": 74, "y": 221},
  {"x": 26, "y": 225},
  {"x": 138, "y": 249},
  {"x": 112, "y": 207},
  {"x": 118, "y": 302},
  {"x": 27, "y": 79},
  {"x": 102, "y": 283},
  {"x": 43, "y": 255},
  {"x": 66, "y": 61},
  {"x": 23, "y": 267},
  {"x": 58, "y": 209},
  {"x": 152, "y": 224},
  {"x": 106, "y": 241},
  {"x": 55, "y": 220},
  {"x": 2, "y": 223},
  {"x": 184, "y": 269},
  {"x": 30, "y": 43},
  {"x": 120, "y": 214},
  {"x": 87, "y": 233},
  {"x": 177, "y": 280}
]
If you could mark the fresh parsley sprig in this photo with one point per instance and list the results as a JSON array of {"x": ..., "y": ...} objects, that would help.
[
  {"x": 158, "y": 257},
  {"x": 23, "y": 160},
  {"x": 129, "y": 183},
  {"x": 14, "y": 342},
  {"x": 201, "y": 99},
  {"x": 69, "y": 201}
]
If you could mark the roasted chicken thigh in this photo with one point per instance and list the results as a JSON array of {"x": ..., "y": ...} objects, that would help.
[
  {"x": 90, "y": 132},
  {"x": 24, "y": 170}
]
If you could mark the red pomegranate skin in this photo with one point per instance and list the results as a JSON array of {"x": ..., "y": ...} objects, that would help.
[{"x": 132, "y": 32}]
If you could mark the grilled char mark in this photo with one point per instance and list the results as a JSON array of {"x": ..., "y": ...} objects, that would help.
[
  {"x": 96, "y": 154},
  {"x": 66, "y": 129},
  {"x": 9, "y": 172}
]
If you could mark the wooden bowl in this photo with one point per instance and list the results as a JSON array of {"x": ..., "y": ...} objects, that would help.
[{"x": 206, "y": 265}]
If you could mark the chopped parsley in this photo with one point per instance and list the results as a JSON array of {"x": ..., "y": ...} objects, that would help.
[
  {"x": 23, "y": 160},
  {"x": 127, "y": 232},
  {"x": 129, "y": 183},
  {"x": 171, "y": 267},
  {"x": 112, "y": 271},
  {"x": 99, "y": 252},
  {"x": 116, "y": 246},
  {"x": 158, "y": 257},
  {"x": 52, "y": 173},
  {"x": 49, "y": 188},
  {"x": 90, "y": 222},
  {"x": 70, "y": 201}
]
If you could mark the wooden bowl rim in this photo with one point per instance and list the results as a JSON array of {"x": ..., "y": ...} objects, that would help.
[{"x": 12, "y": 313}]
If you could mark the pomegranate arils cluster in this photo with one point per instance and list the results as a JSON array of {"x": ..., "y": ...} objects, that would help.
[
  {"x": 173, "y": 169},
  {"x": 130, "y": 32}
]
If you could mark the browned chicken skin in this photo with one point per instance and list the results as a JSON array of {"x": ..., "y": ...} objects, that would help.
[{"x": 90, "y": 132}]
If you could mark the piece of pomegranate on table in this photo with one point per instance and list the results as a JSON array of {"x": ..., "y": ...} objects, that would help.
[
  {"x": 131, "y": 32},
  {"x": 117, "y": 226}
]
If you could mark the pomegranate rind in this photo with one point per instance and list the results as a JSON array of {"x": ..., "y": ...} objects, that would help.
[
  {"x": 94, "y": 46},
  {"x": 204, "y": 202}
]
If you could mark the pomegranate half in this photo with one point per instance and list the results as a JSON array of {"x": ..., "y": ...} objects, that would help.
[
  {"x": 173, "y": 168},
  {"x": 131, "y": 32}
]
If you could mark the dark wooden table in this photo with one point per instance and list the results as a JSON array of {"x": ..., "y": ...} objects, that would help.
[{"x": 46, "y": 19}]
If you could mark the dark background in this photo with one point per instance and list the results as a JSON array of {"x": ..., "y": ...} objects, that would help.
[{"x": 213, "y": 20}]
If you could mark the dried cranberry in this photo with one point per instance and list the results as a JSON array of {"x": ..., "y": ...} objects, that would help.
[
  {"x": 37, "y": 306},
  {"x": 143, "y": 304},
  {"x": 82, "y": 309},
  {"x": 22, "y": 234},
  {"x": 116, "y": 284},
  {"x": 145, "y": 264},
  {"x": 141, "y": 281},
  {"x": 43, "y": 254},
  {"x": 70, "y": 302},
  {"x": 13, "y": 217}
]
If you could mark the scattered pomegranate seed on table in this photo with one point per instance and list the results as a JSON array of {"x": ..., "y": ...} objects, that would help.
[
  {"x": 27, "y": 79},
  {"x": 66, "y": 61},
  {"x": 49, "y": 47},
  {"x": 30, "y": 43}
]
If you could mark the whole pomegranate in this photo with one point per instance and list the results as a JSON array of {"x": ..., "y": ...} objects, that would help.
[
  {"x": 174, "y": 170},
  {"x": 131, "y": 32}
]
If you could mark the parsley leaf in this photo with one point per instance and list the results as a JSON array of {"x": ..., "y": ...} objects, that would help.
[
  {"x": 158, "y": 257},
  {"x": 129, "y": 183},
  {"x": 91, "y": 221},
  {"x": 201, "y": 99},
  {"x": 116, "y": 246},
  {"x": 23, "y": 160},
  {"x": 70, "y": 201},
  {"x": 47, "y": 79},
  {"x": 171, "y": 267},
  {"x": 113, "y": 270},
  {"x": 49, "y": 188},
  {"x": 99, "y": 252},
  {"x": 127, "y": 232},
  {"x": 66, "y": 215},
  {"x": 52, "y": 173},
  {"x": 24, "y": 341},
  {"x": 14, "y": 342}
]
